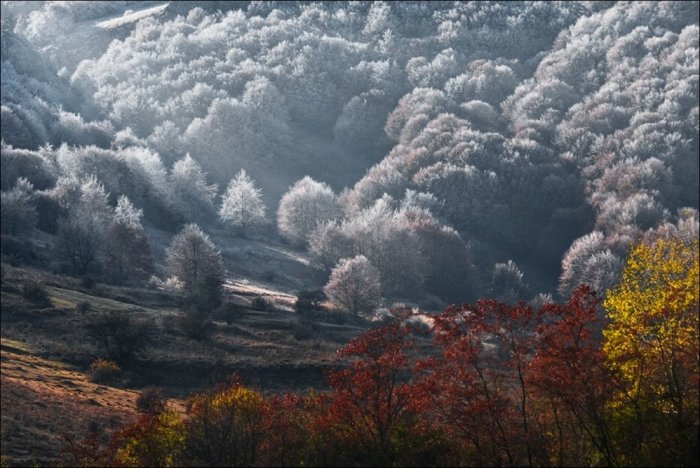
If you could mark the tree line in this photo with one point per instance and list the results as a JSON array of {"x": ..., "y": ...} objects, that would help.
[{"x": 486, "y": 384}]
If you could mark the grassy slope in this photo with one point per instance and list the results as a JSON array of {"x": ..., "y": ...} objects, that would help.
[
  {"x": 46, "y": 353},
  {"x": 43, "y": 399}
]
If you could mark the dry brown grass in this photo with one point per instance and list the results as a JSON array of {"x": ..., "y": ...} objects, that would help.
[
  {"x": 43, "y": 399},
  {"x": 46, "y": 353}
]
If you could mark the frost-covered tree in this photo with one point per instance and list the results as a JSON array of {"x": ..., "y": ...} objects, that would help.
[
  {"x": 532, "y": 123},
  {"x": 306, "y": 205},
  {"x": 192, "y": 195},
  {"x": 421, "y": 202},
  {"x": 194, "y": 259},
  {"x": 328, "y": 244},
  {"x": 94, "y": 202},
  {"x": 601, "y": 271},
  {"x": 128, "y": 255},
  {"x": 18, "y": 213},
  {"x": 384, "y": 237},
  {"x": 79, "y": 242},
  {"x": 486, "y": 80},
  {"x": 242, "y": 205},
  {"x": 507, "y": 283},
  {"x": 578, "y": 260},
  {"x": 32, "y": 165},
  {"x": 81, "y": 231},
  {"x": 354, "y": 284},
  {"x": 450, "y": 273}
]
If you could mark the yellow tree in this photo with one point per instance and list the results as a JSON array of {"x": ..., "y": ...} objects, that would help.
[
  {"x": 153, "y": 440},
  {"x": 225, "y": 428},
  {"x": 651, "y": 343}
]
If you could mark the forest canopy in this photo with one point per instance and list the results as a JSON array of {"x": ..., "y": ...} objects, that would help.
[{"x": 549, "y": 134}]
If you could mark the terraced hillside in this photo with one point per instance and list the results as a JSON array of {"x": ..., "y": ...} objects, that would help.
[{"x": 48, "y": 346}]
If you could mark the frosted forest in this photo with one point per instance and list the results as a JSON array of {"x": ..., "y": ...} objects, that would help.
[{"x": 204, "y": 192}]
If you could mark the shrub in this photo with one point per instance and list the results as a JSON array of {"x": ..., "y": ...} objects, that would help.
[
  {"x": 173, "y": 284},
  {"x": 103, "y": 371},
  {"x": 309, "y": 301},
  {"x": 260, "y": 303},
  {"x": 228, "y": 312},
  {"x": 120, "y": 335},
  {"x": 34, "y": 291},
  {"x": 151, "y": 401},
  {"x": 82, "y": 307},
  {"x": 17, "y": 211},
  {"x": 383, "y": 316},
  {"x": 195, "y": 324}
]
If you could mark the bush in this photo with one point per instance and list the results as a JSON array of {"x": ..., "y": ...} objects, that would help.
[
  {"x": 260, "y": 303},
  {"x": 120, "y": 335},
  {"x": 228, "y": 312},
  {"x": 195, "y": 324},
  {"x": 17, "y": 250},
  {"x": 83, "y": 307},
  {"x": 34, "y": 291},
  {"x": 151, "y": 401},
  {"x": 309, "y": 301},
  {"x": 103, "y": 371},
  {"x": 17, "y": 211}
]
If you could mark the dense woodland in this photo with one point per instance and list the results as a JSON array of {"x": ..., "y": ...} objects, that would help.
[{"x": 501, "y": 196}]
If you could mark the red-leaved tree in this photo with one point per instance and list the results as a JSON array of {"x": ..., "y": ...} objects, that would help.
[
  {"x": 477, "y": 381},
  {"x": 572, "y": 382},
  {"x": 370, "y": 416}
]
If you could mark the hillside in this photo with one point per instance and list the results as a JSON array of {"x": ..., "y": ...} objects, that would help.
[
  {"x": 47, "y": 351},
  {"x": 44, "y": 399},
  {"x": 258, "y": 344},
  {"x": 296, "y": 212}
]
